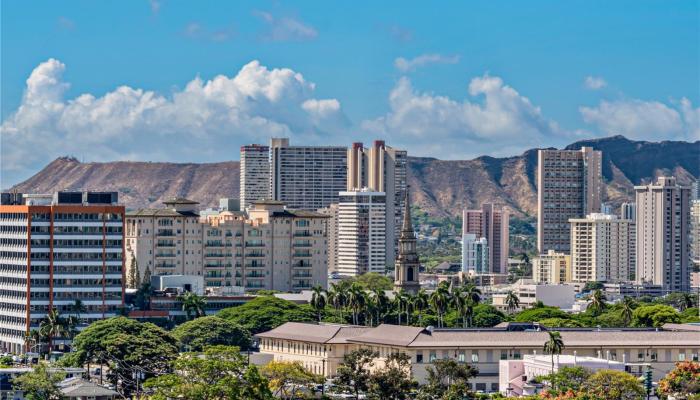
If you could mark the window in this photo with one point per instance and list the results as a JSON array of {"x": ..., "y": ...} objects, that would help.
[
  {"x": 461, "y": 357},
  {"x": 475, "y": 357},
  {"x": 433, "y": 356},
  {"x": 695, "y": 356},
  {"x": 419, "y": 358},
  {"x": 504, "y": 354}
]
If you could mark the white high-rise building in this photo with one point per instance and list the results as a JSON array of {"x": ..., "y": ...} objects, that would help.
[
  {"x": 602, "y": 249},
  {"x": 254, "y": 174},
  {"x": 628, "y": 211},
  {"x": 695, "y": 231},
  {"x": 475, "y": 254},
  {"x": 306, "y": 177},
  {"x": 663, "y": 231},
  {"x": 383, "y": 169},
  {"x": 361, "y": 243}
]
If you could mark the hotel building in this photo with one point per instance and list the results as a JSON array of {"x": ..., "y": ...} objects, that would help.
[
  {"x": 475, "y": 254},
  {"x": 254, "y": 174},
  {"x": 602, "y": 249},
  {"x": 568, "y": 186},
  {"x": 491, "y": 222},
  {"x": 663, "y": 231},
  {"x": 54, "y": 250},
  {"x": 320, "y": 348}
]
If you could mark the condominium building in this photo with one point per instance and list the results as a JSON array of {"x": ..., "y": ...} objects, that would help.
[
  {"x": 332, "y": 234},
  {"x": 568, "y": 186},
  {"x": 254, "y": 174},
  {"x": 306, "y": 177},
  {"x": 164, "y": 241},
  {"x": 491, "y": 222},
  {"x": 628, "y": 211},
  {"x": 362, "y": 231},
  {"x": 602, "y": 249},
  {"x": 695, "y": 232},
  {"x": 54, "y": 250},
  {"x": 663, "y": 231},
  {"x": 552, "y": 268},
  {"x": 475, "y": 254},
  {"x": 383, "y": 169},
  {"x": 320, "y": 348},
  {"x": 269, "y": 247}
]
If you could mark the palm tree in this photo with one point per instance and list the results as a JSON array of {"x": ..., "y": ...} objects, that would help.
[
  {"x": 685, "y": 301},
  {"x": 408, "y": 303},
  {"x": 382, "y": 303},
  {"x": 318, "y": 300},
  {"x": 32, "y": 339},
  {"x": 72, "y": 326},
  {"x": 627, "y": 309},
  {"x": 460, "y": 303},
  {"x": 512, "y": 301},
  {"x": 420, "y": 303},
  {"x": 400, "y": 301},
  {"x": 554, "y": 345},
  {"x": 77, "y": 308},
  {"x": 439, "y": 300},
  {"x": 597, "y": 304},
  {"x": 193, "y": 304},
  {"x": 357, "y": 301},
  {"x": 472, "y": 295},
  {"x": 52, "y": 326}
]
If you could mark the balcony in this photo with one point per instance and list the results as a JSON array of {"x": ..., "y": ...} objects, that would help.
[
  {"x": 165, "y": 233},
  {"x": 302, "y": 286},
  {"x": 255, "y": 266},
  {"x": 255, "y": 285},
  {"x": 255, "y": 255},
  {"x": 302, "y": 234},
  {"x": 302, "y": 254},
  {"x": 165, "y": 265},
  {"x": 165, "y": 244},
  {"x": 301, "y": 264},
  {"x": 255, "y": 275},
  {"x": 302, "y": 275},
  {"x": 302, "y": 244},
  {"x": 168, "y": 255},
  {"x": 254, "y": 244},
  {"x": 217, "y": 265}
]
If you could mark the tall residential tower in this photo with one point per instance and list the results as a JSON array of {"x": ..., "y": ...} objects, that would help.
[
  {"x": 491, "y": 222},
  {"x": 254, "y": 174}
]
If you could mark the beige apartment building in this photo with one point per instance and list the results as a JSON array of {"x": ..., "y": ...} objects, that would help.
[
  {"x": 695, "y": 232},
  {"x": 551, "y": 268},
  {"x": 320, "y": 348},
  {"x": 492, "y": 223},
  {"x": 602, "y": 249},
  {"x": 663, "y": 231},
  {"x": 568, "y": 186},
  {"x": 270, "y": 247}
]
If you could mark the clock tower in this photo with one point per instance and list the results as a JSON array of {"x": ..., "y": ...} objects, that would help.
[{"x": 407, "y": 263}]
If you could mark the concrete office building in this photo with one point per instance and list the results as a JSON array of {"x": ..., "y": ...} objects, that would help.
[
  {"x": 306, "y": 177},
  {"x": 602, "y": 249},
  {"x": 270, "y": 247},
  {"x": 491, "y": 222},
  {"x": 254, "y": 174},
  {"x": 695, "y": 232},
  {"x": 568, "y": 186},
  {"x": 628, "y": 211},
  {"x": 54, "y": 250},
  {"x": 381, "y": 168},
  {"x": 320, "y": 347},
  {"x": 551, "y": 268},
  {"x": 663, "y": 231},
  {"x": 475, "y": 254},
  {"x": 362, "y": 230}
]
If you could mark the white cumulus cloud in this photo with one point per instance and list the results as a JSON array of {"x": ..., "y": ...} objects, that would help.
[
  {"x": 646, "y": 120},
  {"x": 205, "y": 121},
  {"x": 405, "y": 65},
  {"x": 284, "y": 29},
  {"x": 594, "y": 82},
  {"x": 505, "y": 120}
]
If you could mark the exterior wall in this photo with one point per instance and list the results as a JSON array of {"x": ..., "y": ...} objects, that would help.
[
  {"x": 602, "y": 249},
  {"x": 306, "y": 178},
  {"x": 663, "y": 223},
  {"x": 695, "y": 232},
  {"x": 475, "y": 254},
  {"x": 254, "y": 174},
  {"x": 491, "y": 222},
  {"x": 361, "y": 232},
  {"x": 552, "y": 267},
  {"x": 332, "y": 233},
  {"x": 51, "y": 256},
  {"x": 562, "y": 296},
  {"x": 568, "y": 186}
]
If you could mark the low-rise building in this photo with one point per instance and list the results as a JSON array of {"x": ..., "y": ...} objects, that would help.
[
  {"x": 320, "y": 348},
  {"x": 552, "y": 267},
  {"x": 529, "y": 293}
]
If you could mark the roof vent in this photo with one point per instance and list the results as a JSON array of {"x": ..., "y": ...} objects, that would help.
[{"x": 429, "y": 328}]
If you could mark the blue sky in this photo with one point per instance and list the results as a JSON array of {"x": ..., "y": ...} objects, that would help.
[{"x": 137, "y": 80}]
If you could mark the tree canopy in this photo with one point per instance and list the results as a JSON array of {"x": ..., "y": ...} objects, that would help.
[
  {"x": 199, "y": 333},
  {"x": 655, "y": 316},
  {"x": 266, "y": 312},
  {"x": 287, "y": 379},
  {"x": 39, "y": 384}
]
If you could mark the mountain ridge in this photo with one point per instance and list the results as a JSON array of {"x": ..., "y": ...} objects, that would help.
[{"x": 440, "y": 187}]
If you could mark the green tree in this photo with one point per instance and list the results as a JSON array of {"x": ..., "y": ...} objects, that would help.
[
  {"x": 682, "y": 381},
  {"x": 357, "y": 301},
  {"x": 39, "y": 384},
  {"x": 266, "y": 312},
  {"x": 354, "y": 373},
  {"x": 193, "y": 305},
  {"x": 597, "y": 303},
  {"x": 560, "y": 323},
  {"x": 142, "y": 299},
  {"x": 654, "y": 316},
  {"x": 208, "y": 331},
  {"x": 421, "y": 302},
  {"x": 440, "y": 300},
  {"x": 287, "y": 378},
  {"x": 52, "y": 326},
  {"x": 318, "y": 300},
  {"x": 393, "y": 381},
  {"x": 554, "y": 345},
  {"x": 221, "y": 372},
  {"x": 447, "y": 380},
  {"x": 372, "y": 281},
  {"x": 382, "y": 302},
  {"x": 126, "y": 346},
  {"x": 337, "y": 297},
  {"x": 567, "y": 379},
  {"x": 512, "y": 301},
  {"x": 133, "y": 280},
  {"x": 627, "y": 308},
  {"x": 540, "y": 313},
  {"x": 613, "y": 385}
]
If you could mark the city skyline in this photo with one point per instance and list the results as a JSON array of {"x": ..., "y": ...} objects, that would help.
[{"x": 210, "y": 80}]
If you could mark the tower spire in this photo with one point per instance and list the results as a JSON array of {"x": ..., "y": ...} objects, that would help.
[
  {"x": 407, "y": 264},
  {"x": 407, "y": 227}
]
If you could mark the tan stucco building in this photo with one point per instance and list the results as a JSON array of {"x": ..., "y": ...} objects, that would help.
[{"x": 552, "y": 267}]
